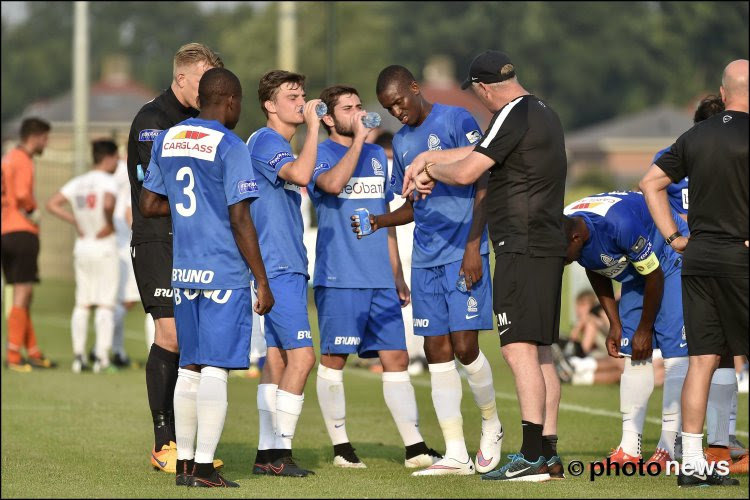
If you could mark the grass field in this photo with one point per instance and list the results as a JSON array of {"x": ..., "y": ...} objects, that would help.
[{"x": 66, "y": 435}]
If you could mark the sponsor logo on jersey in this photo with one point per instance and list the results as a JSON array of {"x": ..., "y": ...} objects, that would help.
[
  {"x": 359, "y": 188},
  {"x": 614, "y": 268},
  {"x": 474, "y": 136},
  {"x": 471, "y": 305},
  {"x": 433, "y": 143},
  {"x": 421, "y": 322},
  {"x": 346, "y": 341},
  {"x": 146, "y": 175},
  {"x": 195, "y": 142},
  {"x": 279, "y": 156},
  {"x": 192, "y": 276},
  {"x": 148, "y": 135},
  {"x": 377, "y": 167},
  {"x": 321, "y": 166},
  {"x": 250, "y": 186},
  {"x": 599, "y": 205}
]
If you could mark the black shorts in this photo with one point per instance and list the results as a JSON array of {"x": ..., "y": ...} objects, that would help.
[
  {"x": 526, "y": 298},
  {"x": 20, "y": 251},
  {"x": 152, "y": 264},
  {"x": 716, "y": 314}
]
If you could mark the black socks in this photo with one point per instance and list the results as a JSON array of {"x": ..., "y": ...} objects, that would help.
[
  {"x": 161, "y": 377},
  {"x": 532, "y": 441}
]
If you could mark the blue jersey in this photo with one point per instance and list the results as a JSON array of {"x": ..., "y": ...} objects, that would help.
[
  {"x": 203, "y": 167},
  {"x": 443, "y": 219},
  {"x": 277, "y": 213},
  {"x": 343, "y": 261},
  {"x": 624, "y": 243},
  {"x": 677, "y": 192}
]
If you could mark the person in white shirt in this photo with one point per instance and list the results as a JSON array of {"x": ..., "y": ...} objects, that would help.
[{"x": 92, "y": 199}]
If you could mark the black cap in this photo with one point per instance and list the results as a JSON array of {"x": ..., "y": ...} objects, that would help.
[{"x": 485, "y": 68}]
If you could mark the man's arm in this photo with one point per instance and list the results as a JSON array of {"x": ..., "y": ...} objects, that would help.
[
  {"x": 56, "y": 206},
  {"x": 643, "y": 336},
  {"x": 300, "y": 171},
  {"x": 23, "y": 187},
  {"x": 605, "y": 293},
  {"x": 402, "y": 215},
  {"x": 109, "y": 209},
  {"x": 460, "y": 173},
  {"x": 153, "y": 204},
  {"x": 333, "y": 180},
  {"x": 246, "y": 238},
  {"x": 398, "y": 271},
  {"x": 471, "y": 266},
  {"x": 654, "y": 187}
]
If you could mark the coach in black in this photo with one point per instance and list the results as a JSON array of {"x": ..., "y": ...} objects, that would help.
[
  {"x": 524, "y": 150},
  {"x": 714, "y": 154},
  {"x": 151, "y": 242}
]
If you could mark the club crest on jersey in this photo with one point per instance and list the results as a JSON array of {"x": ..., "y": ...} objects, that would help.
[
  {"x": 473, "y": 136},
  {"x": 607, "y": 260},
  {"x": 149, "y": 135},
  {"x": 433, "y": 143},
  {"x": 250, "y": 186},
  {"x": 726, "y": 118},
  {"x": 279, "y": 156},
  {"x": 471, "y": 305},
  {"x": 393, "y": 180},
  {"x": 377, "y": 167}
]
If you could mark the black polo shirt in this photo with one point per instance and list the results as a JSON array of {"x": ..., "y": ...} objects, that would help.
[
  {"x": 153, "y": 118},
  {"x": 525, "y": 195},
  {"x": 714, "y": 155}
]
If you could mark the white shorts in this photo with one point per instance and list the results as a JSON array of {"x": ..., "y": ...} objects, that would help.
[
  {"x": 128, "y": 289},
  {"x": 96, "y": 279}
]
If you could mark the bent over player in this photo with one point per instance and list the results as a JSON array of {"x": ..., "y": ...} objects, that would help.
[{"x": 200, "y": 172}]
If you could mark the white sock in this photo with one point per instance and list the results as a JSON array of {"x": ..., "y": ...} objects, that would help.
[
  {"x": 719, "y": 408},
  {"x": 446, "y": 397},
  {"x": 186, "y": 412},
  {"x": 733, "y": 412},
  {"x": 479, "y": 375},
  {"x": 675, "y": 370},
  {"x": 212, "y": 411},
  {"x": 330, "y": 386},
  {"x": 288, "y": 410},
  {"x": 266, "y": 416},
  {"x": 118, "y": 336},
  {"x": 692, "y": 450},
  {"x": 636, "y": 386},
  {"x": 79, "y": 326},
  {"x": 401, "y": 401},
  {"x": 150, "y": 328},
  {"x": 104, "y": 322}
]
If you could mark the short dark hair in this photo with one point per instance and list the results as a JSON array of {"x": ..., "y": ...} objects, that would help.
[
  {"x": 269, "y": 85},
  {"x": 330, "y": 96},
  {"x": 393, "y": 73},
  {"x": 102, "y": 148},
  {"x": 34, "y": 126},
  {"x": 217, "y": 83},
  {"x": 708, "y": 107},
  {"x": 385, "y": 140}
]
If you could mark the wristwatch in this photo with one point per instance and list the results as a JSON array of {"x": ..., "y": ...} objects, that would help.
[{"x": 673, "y": 237}]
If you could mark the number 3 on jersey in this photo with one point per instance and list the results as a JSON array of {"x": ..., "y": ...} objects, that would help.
[{"x": 186, "y": 211}]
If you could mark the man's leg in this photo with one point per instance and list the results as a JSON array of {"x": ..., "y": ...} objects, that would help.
[
  {"x": 79, "y": 325},
  {"x": 332, "y": 401},
  {"x": 551, "y": 407},
  {"x": 18, "y": 319},
  {"x": 266, "y": 400},
  {"x": 694, "y": 403},
  {"x": 104, "y": 325},
  {"x": 186, "y": 420},
  {"x": 290, "y": 396}
]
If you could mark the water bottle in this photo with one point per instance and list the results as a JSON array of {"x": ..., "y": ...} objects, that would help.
[
  {"x": 321, "y": 109},
  {"x": 461, "y": 284},
  {"x": 371, "y": 120}
]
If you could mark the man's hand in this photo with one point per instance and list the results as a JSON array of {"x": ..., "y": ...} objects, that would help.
[
  {"x": 471, "y": 266},
  {"x": 265, "y": 300},
  {"x": 358, "y": 128},
  {"x": 613, "y": 341},
  {"x": 355, "y": 225},
  {"x": 308, "y": 111},
  {"x": 424, "y": 184},
  {"x": 34, "y": 216},
  {"x": 104, "y": 232},
  {"x": 404, "y": 294},
  {"x": 414, "y": 169},
  {"x": 679, "y": 244},
  {"x": 642, "y": 347}
]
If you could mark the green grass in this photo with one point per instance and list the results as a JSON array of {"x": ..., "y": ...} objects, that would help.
[{"x": 66, "y": 435}]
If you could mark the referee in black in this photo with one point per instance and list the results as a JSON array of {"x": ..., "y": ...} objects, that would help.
[
  {"x": 524, "y": 150},
  {"x": 714, "y": 154},
  {"x": 151, "y": 242}
]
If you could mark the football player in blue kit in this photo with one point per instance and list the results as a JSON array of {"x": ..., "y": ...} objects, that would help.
[
  {"x": 358, "y": 285},
  {"x": 613, "y": 236},
  {"x": 200, "y": 173},
  {"x": 290, "y": 356},
  {"x": 450, "y": 243}
]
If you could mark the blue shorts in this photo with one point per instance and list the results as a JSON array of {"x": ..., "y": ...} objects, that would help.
[
  {"x": 361, "y": 320},
  {"x": 669, "y": 327},
  {"x": 440, "y": 308},
  {"x": 214, "y": 327},
  {"x": 287, "y": 325}
]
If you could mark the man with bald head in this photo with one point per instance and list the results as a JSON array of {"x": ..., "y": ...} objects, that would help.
[{"x": 715, "y": 271}]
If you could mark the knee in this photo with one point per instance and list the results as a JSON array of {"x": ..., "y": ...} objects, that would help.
[
  {"x": 395, "y": 361},
  {"x": 466, "y": 352},
  {"x": 438, "y": 349}
]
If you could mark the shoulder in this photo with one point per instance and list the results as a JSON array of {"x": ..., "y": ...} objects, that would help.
[{"x": 149, "y": 122}]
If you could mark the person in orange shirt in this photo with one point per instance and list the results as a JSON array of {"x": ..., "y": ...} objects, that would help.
[{"x": 19, "y": 241}]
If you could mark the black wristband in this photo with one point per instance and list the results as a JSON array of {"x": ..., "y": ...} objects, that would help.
[{"x": 673, "y": 237}]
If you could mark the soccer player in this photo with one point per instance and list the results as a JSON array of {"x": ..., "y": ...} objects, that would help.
[
  {"x": 613, "y": 236},
  {"x": 200, "y": 172},
  {"x": 358, "y": 312},
  {"x": 450, "y": 243},
  {"x": 92, "y": 197},
  {"x": 714, "y": 154},
  {"x": 20, "y": 243},
  {"x": 524, "y": 149},
  {"x": 151, "y": 243},
  {"x": 290, "y": 356}
]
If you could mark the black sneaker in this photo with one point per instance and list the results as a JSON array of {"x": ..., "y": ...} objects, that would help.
[
  {"x": 184, "y": 475},
  {"x": 92, "y": 356},
  {"x": 345, "y": 457},
  {"x": 215, "y": 480},
  {"x": 41, "y": 362},
  {"x": 262, "y": 464},
  {"x": 555, "y": 467},
  {"x": 419, "y": 455},
  {"x": 520, "y": 469},
  {"x": 121, "y": 361},
  {"x": 714, "y": 479},
  {"x": 285, "y": 466}
]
